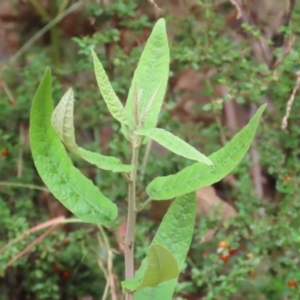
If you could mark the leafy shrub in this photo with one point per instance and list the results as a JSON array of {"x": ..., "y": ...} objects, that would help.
[{"x": 265, "y": 232}]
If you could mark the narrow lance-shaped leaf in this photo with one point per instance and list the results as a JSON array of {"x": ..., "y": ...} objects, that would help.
[
  {"x": 73, "y": 189},
  {"x": 150, "y": 77},
  {"x": 62, "y": 122},
  {"x": 174, "y": 144},
  {"x": 175, "y": 234},
  {"x": 161, "y": 266},
  {"x": 112, "y": 101},
  {"x": 198, "y": 175}
]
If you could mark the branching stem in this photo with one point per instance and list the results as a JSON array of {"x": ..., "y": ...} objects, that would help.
[{"x": 142, "y": 206}]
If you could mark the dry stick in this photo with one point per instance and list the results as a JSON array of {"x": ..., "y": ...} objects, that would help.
[
  {"x": 56, "y": 221},
  {"x": 32, "y": 230},
  {"x": 102, "y": 267},
  {"x": 8, "y": 93},
  {"x": 290, "y": 103},
  {"x": 286, "y": 51},
  {"x": 238, "y": 8},
  {"x": 154, "y": 4},
  {"x": 259, "y": 39},
  {"x": 247, "y": 18},
  {"x": 52, "y": 23},
  {"x": 31, "y": 245},
  {"x": 256, "y": 171},
  {"x": 109, "y": 270}
]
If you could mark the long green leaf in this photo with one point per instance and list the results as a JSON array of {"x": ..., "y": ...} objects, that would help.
[
  {"x": 174, "y": 144},
  {"x": 161, "y": 266},
  {"x": 150, "y": 78},
  {"x": 67, "y": 184},
  {"x": 198, "y": 175},
  {"x": 63, "y": 124},
  {"x": 175, "y": 234},
  {"x": 112, "y": 101}
]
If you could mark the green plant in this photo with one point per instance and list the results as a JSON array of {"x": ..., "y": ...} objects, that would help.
[{"x": 53, "y": 130}]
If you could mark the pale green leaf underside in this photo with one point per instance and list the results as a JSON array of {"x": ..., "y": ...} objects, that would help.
[
  {"x": 150, "y": 78},
  {"x": 63, "y": 124},
  {"x": 199, "y": 175},
  {"x": 174, "y": 144},
  {"x": 62, "y": 121},
  {"x": 112, "y": 101},
  {"x": 175, "y": 234},
  {"x": 66, "y": 183},
  {"x": 161, "y": 266}
]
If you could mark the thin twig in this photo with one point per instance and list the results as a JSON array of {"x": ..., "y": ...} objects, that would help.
[
  {"x": 40, "y": 9},
  {"x": 143, "y": 205},
  {"x": 290, "y": 103},
  {"x": 8, "y": 93},
  {"x": 256, "y": 171},
  {"x": 286, "y": 51},
  {"x": 31, "y": 245},
  {"x": 56, "y": 221},
  {"x": 108, "y": 270},
  {"x": 39, "y": 34},
  {"x": 24, "y": 185},
  {"x": 155, "y": 5},
  {"x": 62, "y": 6},
  {"x": 238, "y": 8}
]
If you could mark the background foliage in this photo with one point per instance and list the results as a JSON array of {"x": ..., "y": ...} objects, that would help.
[{"x": 246, "y": 239}]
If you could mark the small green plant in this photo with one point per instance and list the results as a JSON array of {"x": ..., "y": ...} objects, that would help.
[{"x": 52, "y": 132}]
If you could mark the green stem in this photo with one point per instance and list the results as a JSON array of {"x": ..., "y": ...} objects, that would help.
[
  {"x": 145, "y": 159},
  {"x": 52, "y": 23},
  {"x": 106, "y": 290},
  {"x": 63, "y": 6},
  {"x": 40, "y": 9},
  {"x": 55, "y": 43},
  {"x": 142, "y": 206},
  {"x": 131, "y": 217}
]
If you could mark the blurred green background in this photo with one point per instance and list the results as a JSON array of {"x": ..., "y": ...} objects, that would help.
[{"x": 247, "y": 240}]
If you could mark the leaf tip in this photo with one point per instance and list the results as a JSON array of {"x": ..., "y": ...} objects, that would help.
[
  {"x": 70, "y": 92},
  {"x": 264, "y": 106},
  {"x": 48, "y": 70},
  {"x": 161, "y": 22}
]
